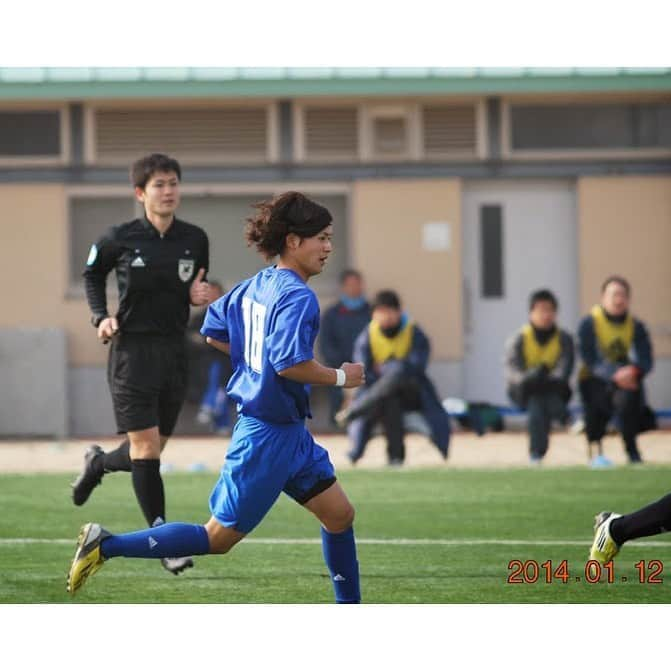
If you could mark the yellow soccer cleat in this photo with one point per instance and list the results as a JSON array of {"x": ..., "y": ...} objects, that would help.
[
  {"x": 88, "y": 557},
  {"x": 604, "y": 548}
]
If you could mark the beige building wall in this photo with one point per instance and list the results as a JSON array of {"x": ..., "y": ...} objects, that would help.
[
  {"x": 387, "y": 218},
  {"x": 34, "y": 270},
  {"x": 625, "y": 228}
]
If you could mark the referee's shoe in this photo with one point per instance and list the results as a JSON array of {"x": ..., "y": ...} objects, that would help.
[
  {"x": 88, "y": 558},
  {"x": 90, "y": 477}
]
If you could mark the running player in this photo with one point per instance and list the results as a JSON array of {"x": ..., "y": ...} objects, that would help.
[{"x": 268, "y": 325}]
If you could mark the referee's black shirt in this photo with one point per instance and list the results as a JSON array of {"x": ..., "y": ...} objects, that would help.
[{"x": 154, "y": 273}]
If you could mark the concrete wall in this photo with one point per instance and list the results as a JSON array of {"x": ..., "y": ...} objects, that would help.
[
  {"x": 625, "y": 229},
  {"x": 33, "y": 393},
  {"x": 34, "y": 271},
  {"x": 387, "y": 220}
]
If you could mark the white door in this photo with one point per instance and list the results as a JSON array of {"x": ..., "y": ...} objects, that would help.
[{"x": 519, "y": 236}]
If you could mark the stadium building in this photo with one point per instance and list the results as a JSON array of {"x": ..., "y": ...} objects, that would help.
[{"x": 462, "y": 189}]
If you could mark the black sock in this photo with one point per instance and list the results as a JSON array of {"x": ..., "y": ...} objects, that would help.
[
  {"x": 648, "y": 521},
  {"x": 119, "y": 459},
  {"x": 148, "y": 486}
]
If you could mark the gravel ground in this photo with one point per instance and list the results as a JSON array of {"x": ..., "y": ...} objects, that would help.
[{"x": 466, "y": 451}]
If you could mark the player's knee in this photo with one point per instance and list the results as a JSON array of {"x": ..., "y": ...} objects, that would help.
[
  {"x": 145, "y": 450},
  {"x": 340, "y": 520},
  {"x": 221, "y": 539}
]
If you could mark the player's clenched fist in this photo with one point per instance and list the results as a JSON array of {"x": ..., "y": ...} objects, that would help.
[
  {"x": 107, "y": 328},
  {"x": 354, "y": 375}
]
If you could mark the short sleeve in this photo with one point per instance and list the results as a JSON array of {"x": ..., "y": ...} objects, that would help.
[
  {"x": 292, "y": 332},
  {"x": 214, "y": 324}
]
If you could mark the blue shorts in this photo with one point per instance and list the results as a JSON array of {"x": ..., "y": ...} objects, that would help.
[{"x": 263, "y": 460}]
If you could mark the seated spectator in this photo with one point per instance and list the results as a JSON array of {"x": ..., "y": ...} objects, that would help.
[
  {"x": 539, "y": 363},
  {"x": 395, "y": 354},
  {"x": 340, "y": 326},
  {"x": 617, "y": 355}
]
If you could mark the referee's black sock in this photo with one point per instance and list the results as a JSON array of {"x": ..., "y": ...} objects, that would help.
[
  {"x": 119, "y": 459},
  {"x": 148, "y": 486},
  {"x": 651, "y": 520}
]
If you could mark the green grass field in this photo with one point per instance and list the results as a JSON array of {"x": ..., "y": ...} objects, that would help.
[{"x": 465, "y": 515}]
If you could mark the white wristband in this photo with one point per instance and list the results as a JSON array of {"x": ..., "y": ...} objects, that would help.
[{"x": 341, "y": 378}]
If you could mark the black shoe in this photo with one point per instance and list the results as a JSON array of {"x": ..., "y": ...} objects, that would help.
[{"x": 90, "y": 477}]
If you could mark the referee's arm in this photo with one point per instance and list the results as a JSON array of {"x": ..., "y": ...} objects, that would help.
[{"x": 102, "y": 259}]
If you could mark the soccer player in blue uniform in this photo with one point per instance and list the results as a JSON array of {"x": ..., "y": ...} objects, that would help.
[{"x": 268, "y": 325}]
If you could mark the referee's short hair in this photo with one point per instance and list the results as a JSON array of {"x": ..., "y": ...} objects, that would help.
[
  {"x": 144, "y": 168},
  {"x": 543, "y": 295}
]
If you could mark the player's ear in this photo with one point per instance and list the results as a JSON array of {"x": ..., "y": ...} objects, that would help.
[
  {"x": 139, "y": 194},
  {"x": 293, "y": 241}
]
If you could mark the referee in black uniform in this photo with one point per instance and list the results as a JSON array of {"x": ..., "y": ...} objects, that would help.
[{"x": 160, "y": 262}]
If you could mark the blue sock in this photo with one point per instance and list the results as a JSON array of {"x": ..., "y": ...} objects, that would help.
[
  {"x": 340, "y": 557},
  {"x": 174, "y": 539}
]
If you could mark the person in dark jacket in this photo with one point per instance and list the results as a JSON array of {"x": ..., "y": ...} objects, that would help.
[
  {"x": 616, "y": 352},
  {"x": 395, "y": 353},
  {"x": 539, "y": 363},
  {"x": 341, "y": 324},
  {"x": 209, "y": 373}
]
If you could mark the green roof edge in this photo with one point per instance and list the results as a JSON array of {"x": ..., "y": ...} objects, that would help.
[{"x": 336, "y": 86}]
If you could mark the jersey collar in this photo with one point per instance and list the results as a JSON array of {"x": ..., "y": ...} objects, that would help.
[{"x": 149, "y": 227}]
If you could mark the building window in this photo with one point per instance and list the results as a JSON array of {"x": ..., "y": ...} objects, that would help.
[
  {"x": 449, "y": 131},
  {"x": 491, "y": 251},
  {"x": 587, "y": 126},
  {"x": 33, "y": 137},
  {"x": 390, "y": 137},
  {"x": 90, "y": 217},
  {"x": 200, "y": 135},
  {"x": 329, "y": 133}
]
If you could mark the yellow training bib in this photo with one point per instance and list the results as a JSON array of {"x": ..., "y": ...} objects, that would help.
[
  {"x": 614, "y": 340},
  {"x": 536, "y": 354},
  {"x": 383, "y": 348}
]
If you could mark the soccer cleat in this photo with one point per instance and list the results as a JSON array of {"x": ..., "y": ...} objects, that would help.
[
  {"x": 90, "y": 477},
  {"x": 604, "y": 548},
  {"x": 88, "y": 557},
  {"x": 177, "y": 564}
]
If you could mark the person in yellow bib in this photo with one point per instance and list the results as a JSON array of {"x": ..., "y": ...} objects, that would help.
[
  {"x": 395, "y": 353},
  {"x": 539, "y": 363},
  {"x": 616, "y": 352}
]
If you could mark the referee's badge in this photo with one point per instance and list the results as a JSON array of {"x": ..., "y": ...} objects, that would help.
[
  {"x": 185, "y": 269},
  {"x": 93, "y": 255}
]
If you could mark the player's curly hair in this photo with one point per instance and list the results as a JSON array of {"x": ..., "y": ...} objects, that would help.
[{"x": 291, "y": 212}]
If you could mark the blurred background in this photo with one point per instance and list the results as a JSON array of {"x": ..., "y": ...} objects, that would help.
[{"x": 462, "y": 189}]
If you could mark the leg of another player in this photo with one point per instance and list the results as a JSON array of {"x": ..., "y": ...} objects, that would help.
[
  {"x": 627, "y": 406},
  {"x": 336, "y": 514},
  {"x": 538, "y": 424},
  {"x": 145, "y": 454},
  {"x": 653, "y": 519}
]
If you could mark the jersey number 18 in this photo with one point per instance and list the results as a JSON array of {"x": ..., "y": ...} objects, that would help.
[{"x": 254, "y": 316}]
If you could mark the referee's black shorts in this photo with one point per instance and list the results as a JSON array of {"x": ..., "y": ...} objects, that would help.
[{"x": 147, "y": 375}]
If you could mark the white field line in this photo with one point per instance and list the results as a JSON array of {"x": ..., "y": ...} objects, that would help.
[{"x": 370, "y": 541}]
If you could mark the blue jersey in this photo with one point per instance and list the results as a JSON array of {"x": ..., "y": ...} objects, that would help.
[{"x": 271, "y": 321}]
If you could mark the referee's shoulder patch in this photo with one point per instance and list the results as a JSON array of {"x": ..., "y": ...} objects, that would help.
[{"x": 93, "y": 255}]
